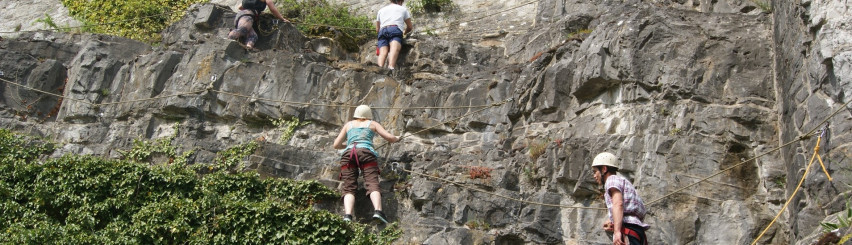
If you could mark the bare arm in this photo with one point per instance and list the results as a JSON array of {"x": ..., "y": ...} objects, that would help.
[
  {"x": 240, "y": 7},
  {"x": 378, "y": 24},
  {"x": 384, "y": 133},
  {"x": 274, "y": 10},
  {"x": 338, "y": 142},
  {"x": 617, "y": 215},
  {"x": 408, "y": 26}
]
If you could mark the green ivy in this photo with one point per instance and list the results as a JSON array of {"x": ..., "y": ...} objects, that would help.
[
  {"x": 143, "y": 150},
  {"x": 231, "y": 158},
  {"x": 91, "y": 200},
  {"x": 288, "y": 127},
  {"x": 137, "y": 19},
  {"x": 14, "y": 147}
]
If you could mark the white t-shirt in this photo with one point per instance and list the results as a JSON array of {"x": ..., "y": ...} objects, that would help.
[{"x": 393, "y": 14}]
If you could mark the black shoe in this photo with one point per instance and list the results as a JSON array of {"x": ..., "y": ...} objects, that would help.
[
  {"x": 347, "y": 217},
  {"x": 378, "y": 215}
]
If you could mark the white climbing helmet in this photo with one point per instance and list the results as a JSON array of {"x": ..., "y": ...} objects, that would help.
[
  {"x": 363, "y": 111},
  {"x": 605, "y": 159}
]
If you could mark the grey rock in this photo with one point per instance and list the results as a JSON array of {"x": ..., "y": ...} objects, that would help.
[{"x": 679, "y": 90}]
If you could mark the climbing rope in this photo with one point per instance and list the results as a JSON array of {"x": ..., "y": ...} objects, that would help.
[
  {"x": 153, "y": 98},
  {"x": 494, "y": 193},
  {"x": 254, "y": 98},
  {"x": 395, "y": 164},
  {"x": 65, "y": 98},
  {"x": 454, "y": 119},
  {"x": 800, "y": 138},
  {"x": 352, "y": 106},
  {"x": 267, "y": 32},
  {"x": 49, "y": 93},
  {"x": 802, "y": 180}
]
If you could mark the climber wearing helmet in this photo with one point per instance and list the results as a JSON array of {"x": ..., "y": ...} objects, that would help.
[
  {"x": 388, "y": 22},
  {"x": 625, "y": 209},
  {"x": 360, "y": 154},
  {"x": 249, "y": 14}
]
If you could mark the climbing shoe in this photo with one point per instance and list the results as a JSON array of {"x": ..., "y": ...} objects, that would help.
[
  {"x": 347, "y": 217},
  {"x": 378, "y": 215}
]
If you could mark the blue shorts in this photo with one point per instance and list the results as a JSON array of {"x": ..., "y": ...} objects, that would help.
[{"x": 388, "y": 34}]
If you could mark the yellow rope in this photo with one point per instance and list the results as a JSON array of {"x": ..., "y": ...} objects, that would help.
[
  {"x": 800, "y": 138},
  {"x": 720, "y": 172},
  {"x": 816, "y": 153}
]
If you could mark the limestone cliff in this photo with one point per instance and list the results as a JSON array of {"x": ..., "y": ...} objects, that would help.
[{"x": 680, "y": 90}]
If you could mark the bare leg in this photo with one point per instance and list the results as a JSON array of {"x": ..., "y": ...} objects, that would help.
[
  {"x": 376, "y": 198},
  {"x": 348, "y": 203},
  {"x": 395, "y": 47},
  {"x": 383, "y": 54}
]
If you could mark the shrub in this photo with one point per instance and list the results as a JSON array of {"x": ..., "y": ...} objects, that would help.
[
  {"x": 137, "y": 19},
  {"x": 323, "y": 18},
  {"x": 91, "y": 200},
  {"x": 537, "y": 148},
  {"x": 429, "y": 6}
]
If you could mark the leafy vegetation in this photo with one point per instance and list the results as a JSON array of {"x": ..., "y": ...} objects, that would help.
[
  {"x": 231, "y": 158},
  {"x": 478, "y": 225},
  {"x": 577, "y": 34},
  {"x": 844, "y": 219},
  {"x": 49, "y": 23},
  {"x": 137, "y": 19},
  {"x": 324, "y": 18},
  {"x": 91, "y": 200},
  {"x": 144, "y": 19},
  {"x": 143, "y": 150},
  {"x": 288, "y": 127},
  {"x": 537, "y": 148},
  {"x": 766, "y": 6},
  {"x": 429, "y": 6}
]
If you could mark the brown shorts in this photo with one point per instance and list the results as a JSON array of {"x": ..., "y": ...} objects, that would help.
[{"x": 349, "y": 171}]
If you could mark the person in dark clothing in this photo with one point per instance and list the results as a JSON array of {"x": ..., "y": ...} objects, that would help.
[{"x": 248, "y": 15}]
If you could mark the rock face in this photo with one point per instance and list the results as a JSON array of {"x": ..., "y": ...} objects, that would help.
[
  {"x": 679, "y": 90},
  {"x": 813, "y": 74}
]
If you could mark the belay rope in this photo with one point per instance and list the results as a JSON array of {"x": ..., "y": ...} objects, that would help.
[{"x": 802, "y": 180}]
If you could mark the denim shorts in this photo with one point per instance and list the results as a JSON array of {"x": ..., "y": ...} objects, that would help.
[{"x": 388, "y": 34}]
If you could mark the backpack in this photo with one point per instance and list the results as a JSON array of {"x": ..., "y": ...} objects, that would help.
[{"x": 256, "y": 5}]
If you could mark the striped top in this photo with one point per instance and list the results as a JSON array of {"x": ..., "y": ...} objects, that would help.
[{"x": 634, "y": 207}]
